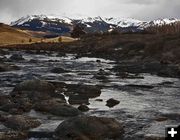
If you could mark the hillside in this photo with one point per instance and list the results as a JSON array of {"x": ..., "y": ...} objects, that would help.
[{"x": 10, "y": 35}]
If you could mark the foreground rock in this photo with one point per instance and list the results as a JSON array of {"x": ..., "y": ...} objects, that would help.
[
  {"x": 112, "y": 102},
  {"x": 20, "y": 122},
  {"x": 56, "y": 107},
  {"x": 89, "y": 128}
]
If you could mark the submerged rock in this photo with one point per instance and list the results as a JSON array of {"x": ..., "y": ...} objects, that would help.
[
  {"x": 89, "y": 128},
  {"x": 33, "y": 61},
  {"x": 58, "y": 70},
  {"x": 112, "y": 102}
]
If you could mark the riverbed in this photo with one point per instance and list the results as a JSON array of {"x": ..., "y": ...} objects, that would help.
[{"x": 144, "y": 98}]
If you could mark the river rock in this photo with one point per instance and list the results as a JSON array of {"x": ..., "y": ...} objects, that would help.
[
  {"x": 58, "y": 70},
  {"x": 99, "y": 100},
  {"x": 112, "y": 102},
  {"x": 83, "y": 108},
  {"x": 102, "y": 72},
  {"x": 78, "y": 99},
  {"x": 17, "y": 57},
  {"x": 87, "y": 90},
  {"x": 56, "y": 107},
  {"x": 20, "y": 122},
  {"x": 89, "y": 128},
  {"x": 33, "y": 61},
  {"x": 35, "y": 90}
]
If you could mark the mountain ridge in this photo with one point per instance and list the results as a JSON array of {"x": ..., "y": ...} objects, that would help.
[{"x": 61, "y": 24}]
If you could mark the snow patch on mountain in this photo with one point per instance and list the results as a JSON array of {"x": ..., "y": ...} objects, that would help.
[
  {"x": 92, "y": 22},
  {"x": 123, "y": 22}
]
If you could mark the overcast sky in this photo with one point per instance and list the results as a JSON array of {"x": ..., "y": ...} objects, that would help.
[{"x": 140, "y": 9}]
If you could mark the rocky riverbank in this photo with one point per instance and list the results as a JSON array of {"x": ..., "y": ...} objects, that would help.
[{"x": 58, "y": 95}]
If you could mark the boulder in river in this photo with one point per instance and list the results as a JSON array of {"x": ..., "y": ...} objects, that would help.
[
  {"x": 35, "y": 90},
  {"x": 112, "y": 102},
  {"x": 78, "y": 99},
  {"x": 57, "y": 107},
  {"x": 83, "y": 108},
  {"x": 90, "y": 91},
  {"x": 89, "y": 128}
]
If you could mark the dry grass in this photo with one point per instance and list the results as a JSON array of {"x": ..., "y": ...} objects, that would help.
[
  {"x": 55, "y": 40},
  {"x": 12, "y": 36}
]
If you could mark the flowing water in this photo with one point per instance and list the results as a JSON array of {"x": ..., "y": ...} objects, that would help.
[{"x": 139, "y": 107}]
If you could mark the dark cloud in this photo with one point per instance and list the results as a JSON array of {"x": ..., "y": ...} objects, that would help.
[{"x": 141, "y": 9}]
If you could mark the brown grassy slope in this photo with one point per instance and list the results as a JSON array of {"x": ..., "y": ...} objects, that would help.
[{"x": 10, "y": 35}]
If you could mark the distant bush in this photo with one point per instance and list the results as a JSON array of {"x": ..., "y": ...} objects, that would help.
[
  {"x": 78, "y": 31},
  {"x": 30, "y": 40},
  {"x": 60, "y": 39}
]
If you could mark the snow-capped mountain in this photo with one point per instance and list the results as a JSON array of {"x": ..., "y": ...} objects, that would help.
[
  {"x": 123, "y": 22},
  {"x": 61, "y": 24},
  {"x": 29, "y": 18}
]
